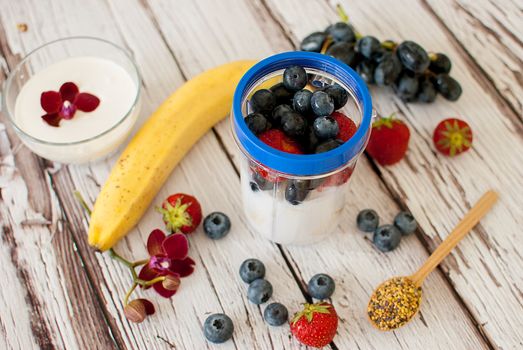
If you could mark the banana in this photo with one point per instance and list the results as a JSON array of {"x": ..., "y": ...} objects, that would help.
[{"x": 157, "y": 148}]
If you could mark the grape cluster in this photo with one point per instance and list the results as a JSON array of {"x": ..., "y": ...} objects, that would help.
[{"x": 414, "y": 74}]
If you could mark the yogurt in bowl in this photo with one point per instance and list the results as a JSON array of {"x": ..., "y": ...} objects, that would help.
[{"x": 71, "y": 132}]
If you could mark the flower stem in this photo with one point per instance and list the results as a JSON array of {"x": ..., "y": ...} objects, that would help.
[
  {"x": 118, "y": 257},
  {"x": 129, "y": 292},
  {"x": 140, "y": 262},
  {"x": 84, "y": 205}
]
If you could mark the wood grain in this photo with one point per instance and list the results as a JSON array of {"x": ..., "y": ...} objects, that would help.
[{"x": 491, "y": 34}]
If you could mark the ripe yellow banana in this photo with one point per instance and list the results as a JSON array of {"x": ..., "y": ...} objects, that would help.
[{"x": 157, "y": 148}]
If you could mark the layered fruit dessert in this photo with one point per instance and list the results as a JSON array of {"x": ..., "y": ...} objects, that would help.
[{"x": 305, "y": 120}]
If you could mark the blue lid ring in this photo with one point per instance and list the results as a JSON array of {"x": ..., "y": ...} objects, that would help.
[{"x": 307, "y": 164}]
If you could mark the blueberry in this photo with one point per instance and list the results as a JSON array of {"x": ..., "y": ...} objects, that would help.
[
  {"x": 328, "y": 145},
  {"x": 309, "y": 141},
  {"x": 341, "y": 32},
  {"x": 302, "y": 101},
  {"x": 294, "y": 78},
  {"x": 259, "y": 291},
  {"x": 281, "y": 93},
  {"x": 368, "y": 46},
  {"x": 276, "y": 314},
  {"x": 279, "y": 112},
  {"x": 218, "y": 328},
  {"x": 412, "y": 56},
  {"x": 407, "y": 86},
  {"x": 294, "y": 124},
  {"x": 260, "y": 183},
  {"x": 322, "y": 104},
  {"x": 386, "y": 238},
  {"x": 426, "y": 92},
  {"x": 405, "y": 222},
  {"x": 387, "y": 70},
  {"x": 251, "y": 270},
  {"x": 321, "y": 286},
  {"x": 216, "y": 225},
  {"x": 263, "y": 101},
  {"x": 296, "y": 191},
  {"x": 313, "y": 42},
  {"x": 439, "y": 63},
  {"x": 343, "y": 52},
  {"x": 366, "y": 70},
  {"x": 367, "y": 220},
  {"x": 326, "y": 127},
  {"x": 339, "y": 95},
  {"x": 447, "y": 87},
  {"x": 257, "y": 123}
]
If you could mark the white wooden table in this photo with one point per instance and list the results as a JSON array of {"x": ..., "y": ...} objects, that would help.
[{"x": 56, "y": 292}]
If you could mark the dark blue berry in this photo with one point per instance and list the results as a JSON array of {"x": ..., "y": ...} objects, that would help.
[
  {"x": 294, "y": 78},
  {"x": 294, "y": 124},
  {"x": 426, "y": 92},
  {"x": 281, "y": 93},
  {"x": 367, "y": 220},
  {"x": 387, "y": 70},
  {"x": 386, "y": 238},
  {"x": 412, "y": 56},
  {"x": 322, "y": 104},
  {"x": 328, "y": 146},
  {"x": 218, "y": 328},
  {"x": 259, "y": 291},
  {"x": 439, "y": 63},
  {"x": 263, "y": 101},
  {"x": 276, "y": 314},
  {"x": 326, "y": 127},
  {"x": 366, "y": 70},
  {"x": 339, "y": 95},
  {"x": 296, "y": 191},
  {"x": 321, "y": 286},
  {"x": 368, "y": 46},
  {"x": 278, "y": 113},
  {"x": 251, "y": 270},
  {"x": 405, "y": 222},
  {"x": 313, "y": 42},
  {"x": 216, "y": 225},
  {"x": 302, "y": 102},
  {"x": 309, "y": 141},
  {"x": 407, "y": 86},
  {"x": 341, "y": 32},
  {"x": 343, "y": 52},
  {"x": 447, "y": 87},
  {"x": 257, "y": 123}
]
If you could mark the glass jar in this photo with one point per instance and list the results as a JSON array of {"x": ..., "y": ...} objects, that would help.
[{"x": 294, "y": 198}]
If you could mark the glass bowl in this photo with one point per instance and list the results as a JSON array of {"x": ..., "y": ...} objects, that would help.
[{"x": 83, "y": 144}]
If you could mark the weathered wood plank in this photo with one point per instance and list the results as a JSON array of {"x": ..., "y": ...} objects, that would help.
[
  {"x": 491, "y": 33},
  {"x": 347, "y": 255},
  {"x": 47, "y": 302},
  {"x": 485, "y": 268},
  {"x": 179, "y": 320}
]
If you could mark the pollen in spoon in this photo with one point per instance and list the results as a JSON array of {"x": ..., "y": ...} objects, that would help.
[{"x": 394, "y": 303}]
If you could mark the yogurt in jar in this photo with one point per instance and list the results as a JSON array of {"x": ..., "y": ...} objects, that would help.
[{"x": 88, "y": 135}]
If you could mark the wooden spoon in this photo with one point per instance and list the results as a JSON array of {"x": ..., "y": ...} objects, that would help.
[{"x": 397, "y": 300}]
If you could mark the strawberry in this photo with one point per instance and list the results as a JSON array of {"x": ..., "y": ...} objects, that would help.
[
  {"x": 452, "y": 136},
  {"x": 316, "y": 325},
  {"x": 337, "y": 179},
  {"x": 277, "y": 139},
  {"x": 388, "y": 141},
  {"x": 181, "y": 212},
  {"x": 346, "y": 126}
]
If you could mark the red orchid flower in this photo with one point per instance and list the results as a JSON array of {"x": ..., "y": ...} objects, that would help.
[
  {"x": 63, "y": 104},
  {"x": 168, "y": 258}
]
